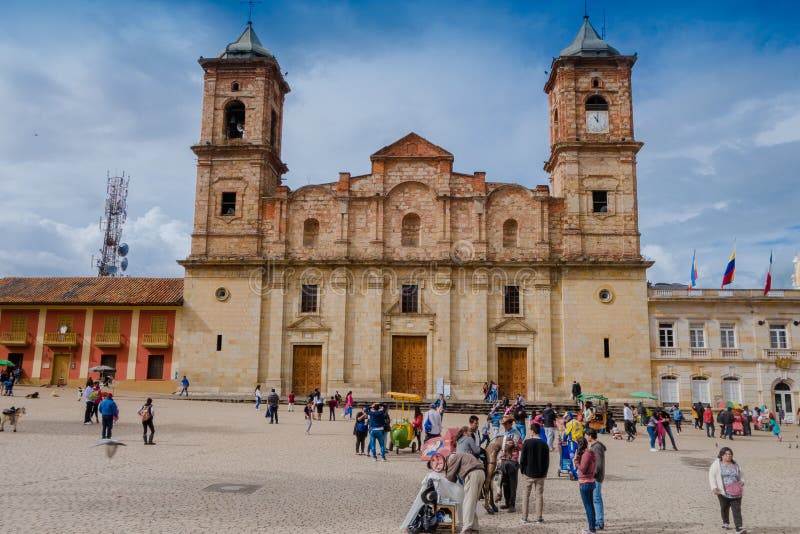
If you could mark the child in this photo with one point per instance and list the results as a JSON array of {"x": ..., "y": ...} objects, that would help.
[
  {"x": 308, "y": 413},
  {"x": 291, "y": 402},
  {"x": 776, "y": 428},
  {"x": 615, "y": 433}
]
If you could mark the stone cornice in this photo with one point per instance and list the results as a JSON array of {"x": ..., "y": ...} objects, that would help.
[{"x": 597, "y": 146}]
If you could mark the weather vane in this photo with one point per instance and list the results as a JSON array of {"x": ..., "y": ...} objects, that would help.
[{"x": 251, "y": 4}]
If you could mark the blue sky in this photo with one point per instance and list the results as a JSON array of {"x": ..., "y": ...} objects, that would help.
[{"x": 94, "y": 86}]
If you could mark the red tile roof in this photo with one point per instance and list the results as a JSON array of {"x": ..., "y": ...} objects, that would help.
[{"x": 92, "y": 291}]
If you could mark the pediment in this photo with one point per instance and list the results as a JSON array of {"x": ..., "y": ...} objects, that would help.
[
  {"x": 395, "y": 309},
  {"x": 308, "y": 323},
  {"x": 513, "y": 324},
  {"x": 412, "y": 146}
]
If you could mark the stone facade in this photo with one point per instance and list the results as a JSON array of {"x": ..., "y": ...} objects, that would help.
[{"x": 549, "y": 280}]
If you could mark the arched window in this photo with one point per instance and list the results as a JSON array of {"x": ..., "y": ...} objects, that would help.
[
  {"x": 510, "y": 233},
  {"x": 234, "y": 120},
  {"x": 596, "y": 103},
  {"x": 669, "y": 390},
  {"x": 595, "y": 82},
  {"x": 235, "y": 86},
  {"x": 700, "y": 392},
  {"x": 310, "y": 233},
  {"x": 731, "y": 390},
  {"x": 410, "y": 230},
  {"x": 555, "y": 117}
]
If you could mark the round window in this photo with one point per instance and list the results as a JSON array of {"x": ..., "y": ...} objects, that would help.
[
  {"x": 222, "y": 294},
  {"x": 605, "y": 296}
]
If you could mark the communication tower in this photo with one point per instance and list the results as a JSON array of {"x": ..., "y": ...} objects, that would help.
[{"x": 112, "y": 260}]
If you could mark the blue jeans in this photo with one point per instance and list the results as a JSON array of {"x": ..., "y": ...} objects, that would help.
[
  {"x": 652, "y": 432},
  {"x": 521, "y": 428},
  {"x": 598, "y": 503},
  {"x": 377, "y": 434},
  {"x": 587, "y": 494},
  {"x": 258, "y": 402}
]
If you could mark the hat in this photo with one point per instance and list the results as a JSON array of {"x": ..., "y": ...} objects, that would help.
[
  {"x": 568, "y": 414},
  {"x": 507, "y": 419}
]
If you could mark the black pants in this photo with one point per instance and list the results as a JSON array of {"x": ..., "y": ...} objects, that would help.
[
  {"x": 698, "y": 423},
  {"x": 273, "y": 414},
  {"x": 725, "y": 506},
  {"x": 331, "y": 413},
  {"x": 87, "y": 415},
  {"x": 630, "y": 429},
  {"x": 678, "y": 425},
  {"x": 710, "y": 430},
  {"x": 108, "y": 422},
  {"x": 95, "y": 413},
  {"x": 510, "y": 472},
  {"x": 669, "y": 435},
  {"x": 746, "y": 428},
  {"x": 145, "y": 425},
  {"x": 361, "y": 437}
]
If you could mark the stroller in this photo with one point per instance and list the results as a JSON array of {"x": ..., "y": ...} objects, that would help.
[{"x": 566, "y": 466}]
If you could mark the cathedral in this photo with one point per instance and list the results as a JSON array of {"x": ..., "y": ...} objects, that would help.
[{"x": 417, "y": 277}]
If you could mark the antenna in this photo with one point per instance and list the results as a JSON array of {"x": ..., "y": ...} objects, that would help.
[
  {"x": 108, "y": 264},
  {"x": 251, "y": 4},
  {"x": 603, "y": 33}
]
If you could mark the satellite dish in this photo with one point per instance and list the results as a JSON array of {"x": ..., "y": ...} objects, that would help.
[
  {"x": 124, "y": 264},
  {"x": 122, "y": 250},
  {"x": 63, "y": 329},
  {"x": 111, "y": 269}
]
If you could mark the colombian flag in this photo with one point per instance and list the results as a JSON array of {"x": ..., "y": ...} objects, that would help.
[
  {"x": 768, "y": 282},
  {"x": 728, "y": 277},
  {"x": 694, "y": 271}
]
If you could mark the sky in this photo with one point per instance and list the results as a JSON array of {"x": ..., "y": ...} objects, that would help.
[{"x": 90, "y": 87}]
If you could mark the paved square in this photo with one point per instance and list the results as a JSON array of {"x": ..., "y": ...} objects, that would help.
[{"x": 272, "y": 478}]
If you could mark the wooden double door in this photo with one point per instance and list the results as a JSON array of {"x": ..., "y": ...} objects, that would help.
[
  {"x": 60, "y": 369},
  {"x": 306, "y": 369},
  {"x": 409, "y": 364},
  {"x": 512, "y": 371}
]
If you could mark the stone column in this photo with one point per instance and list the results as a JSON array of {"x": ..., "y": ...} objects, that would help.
[
  {"x": 545, "y": 381},
  {"x": 441, "y": 305},
  {"x": 133, "y": 346},
  {"x": 336, "y": 305},
  {"x": 271, "y": 357},
  {"x": 36, "y": 372},
  {"x": 86, "y": 345}
]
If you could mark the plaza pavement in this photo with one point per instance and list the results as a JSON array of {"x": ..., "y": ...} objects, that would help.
[{"x": 53, "y": 480}]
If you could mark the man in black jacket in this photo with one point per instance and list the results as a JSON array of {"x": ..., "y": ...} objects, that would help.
[
  {"x": 576, "y": 389},
  {"x": 534, "y": 461},
  {"x": 726, "y": 420},
  {"x": 272, "y": 401}
]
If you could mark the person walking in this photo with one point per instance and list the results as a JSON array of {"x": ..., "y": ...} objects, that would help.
[
  {"x": 599, "y": 451},
  {"x": 257, "y": 393},
  {"x": 97, "y": 398},
  {"x": 464, "y": 466},
  {"x": 348, "y": 405},
  {"x": 776, "y": 427},
  {"x": 89, "y": 402},
  {"x": 699, "y": 410},
  {"x": 576, "y": 390},
  {"x": 747, "y": 417},
  {"x": 290, "y": 402},
  {"x": 667, "y": 430},
  {"x": 549, "y": 422},
  {"x": 629, "y": 422},
  {"x": 727, "y": 482},
  {"x": 641, "y": 411},
  {"x": 417, "y": 426},
  {"x": 677, "y": 417},
  {"x": 433, "y": 423},
  {"x": 319, "y": 403},
  {"x": 652, "y": 429},
  {"x": 360, "y": 430},
  {"x": 725, "y": 419},
  {"x": 376, "y": 414},
  {"x": 308, "y": 413},
  {"x": 586, "y": 464},
  {"x": 534, "y": 462},
  {"x": 109, "y": 411},
  {"x": 146, "y": 412},
  {"x": 184, "y": 386},
  {"x": 509, "y": 462},
  {"x": 332, "y": 405},
  {"x": 273, "y": 400},
  {"x": 708, "y": 420},
  {"x": 781, "y": 415}
]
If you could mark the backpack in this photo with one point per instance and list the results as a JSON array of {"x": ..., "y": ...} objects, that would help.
[
  {"x": 361, "y": 426},
  {"x": 146, "y": 413},
  {"x": 427, "y": 426}
]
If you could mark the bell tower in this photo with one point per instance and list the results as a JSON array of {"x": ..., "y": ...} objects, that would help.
[
  {"x": 592, "y": 162},
  {"x": 239, "y": 152}
]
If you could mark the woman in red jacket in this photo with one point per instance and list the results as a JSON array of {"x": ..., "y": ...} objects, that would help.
[
  {"x": 417, "y": 425},
  {"x": 586, "y": 463}
]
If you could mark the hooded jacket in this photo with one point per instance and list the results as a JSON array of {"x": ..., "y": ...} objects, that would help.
[{"x": 599, "y": 451}]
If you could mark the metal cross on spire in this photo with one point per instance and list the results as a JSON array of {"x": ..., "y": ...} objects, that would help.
[{"x": 251, "y": 4}]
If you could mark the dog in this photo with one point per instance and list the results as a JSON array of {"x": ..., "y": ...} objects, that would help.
[
  {"x": 11, "y": 415},
  {"x": 34, "y": 395}
]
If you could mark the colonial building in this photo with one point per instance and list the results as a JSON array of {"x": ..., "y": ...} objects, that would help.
[{"x": 419, "y": 278}]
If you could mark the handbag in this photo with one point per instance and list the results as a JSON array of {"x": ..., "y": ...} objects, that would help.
[{"x": 734, "y": 489}]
